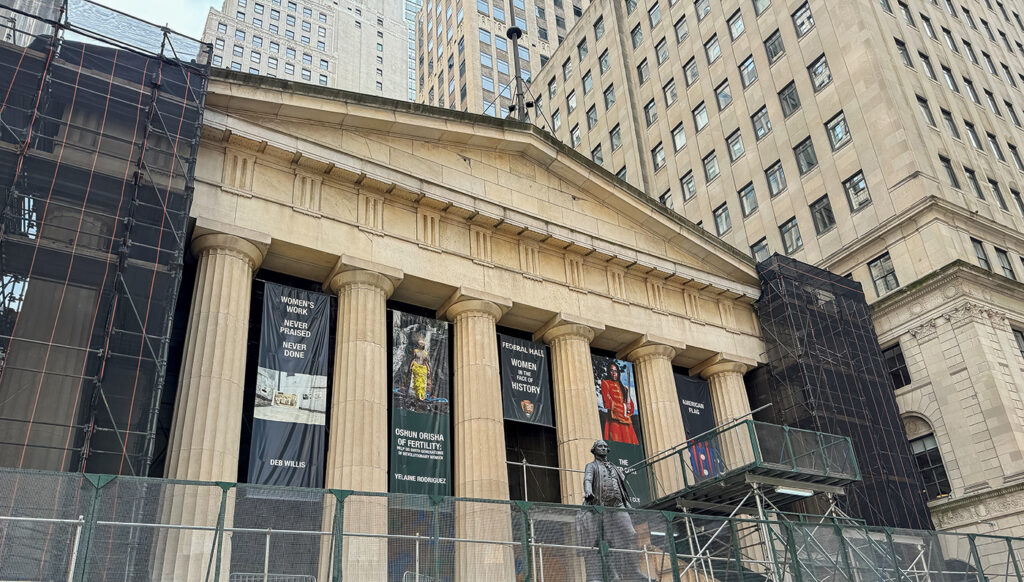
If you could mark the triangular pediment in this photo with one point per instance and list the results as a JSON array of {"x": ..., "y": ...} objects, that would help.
[{"x": 497, "y": 173}]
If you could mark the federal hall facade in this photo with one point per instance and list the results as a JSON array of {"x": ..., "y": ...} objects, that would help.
[{"x": 483, "y": 221}]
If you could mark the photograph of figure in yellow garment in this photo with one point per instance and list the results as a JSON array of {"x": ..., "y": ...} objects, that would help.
[{"x": 419, "y": 371}]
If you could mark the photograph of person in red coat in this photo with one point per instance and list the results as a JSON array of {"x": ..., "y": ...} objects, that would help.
[{"x": 620, "y": 405}]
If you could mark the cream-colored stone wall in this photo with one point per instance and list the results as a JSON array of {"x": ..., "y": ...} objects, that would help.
[{"x": 967, "y": 388}]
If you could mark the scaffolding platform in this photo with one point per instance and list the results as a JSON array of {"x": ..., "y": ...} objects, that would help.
[{"x": 747, "y": 463}]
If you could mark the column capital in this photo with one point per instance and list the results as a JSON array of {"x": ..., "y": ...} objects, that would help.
[
  {"x": 352, "y": 270},
  {"x": 563, "y": 324},
  {"x": 251, "y": 252},
  {"x": 723, "y": 364},
  {"x": 649, "y": 346},
  {"x": 467, "y": 300}
]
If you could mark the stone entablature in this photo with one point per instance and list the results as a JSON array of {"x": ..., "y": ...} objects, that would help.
[{"x": 498, "y": 204}]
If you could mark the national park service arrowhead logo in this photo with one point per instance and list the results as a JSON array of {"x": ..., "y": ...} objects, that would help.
[{"x": 527, "y": 407}]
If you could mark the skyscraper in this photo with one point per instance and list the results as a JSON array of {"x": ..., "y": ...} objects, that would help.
[
  {"x": 345, "y": 44},
  {"x": 877, "y": 139},
  {"x": 464, "y": 59}
]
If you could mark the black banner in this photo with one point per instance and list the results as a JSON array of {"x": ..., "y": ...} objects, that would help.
[
  {"x": 420, "y": 434},
  {"x": 615, "y": 387},
  {"x": 525, "y": 380},
  {"x": 698, "y": 421},
  {"x": 291, "y": 389}
]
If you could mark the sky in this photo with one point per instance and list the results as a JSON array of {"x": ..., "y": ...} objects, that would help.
[{"x": 186, "y": 17}]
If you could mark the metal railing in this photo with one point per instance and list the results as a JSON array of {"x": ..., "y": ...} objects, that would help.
[
  {"x": 751, "y": 446},
  {"x": 75, "y": 527}
]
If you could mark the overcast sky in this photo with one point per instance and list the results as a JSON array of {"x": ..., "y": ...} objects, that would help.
[{"x": 183, "y": 16}]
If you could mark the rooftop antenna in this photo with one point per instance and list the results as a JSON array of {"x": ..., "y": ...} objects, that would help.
[{"x": 519, "y": 105}]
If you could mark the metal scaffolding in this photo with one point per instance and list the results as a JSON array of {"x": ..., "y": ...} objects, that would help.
[
  {"x": 100, "y": 118},
  {"x": 825, "y": 372}
]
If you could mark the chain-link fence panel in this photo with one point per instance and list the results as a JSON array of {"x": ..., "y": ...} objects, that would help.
[
  {"x": 280, "y": 531},
  {"x": 41, "y": 517}
]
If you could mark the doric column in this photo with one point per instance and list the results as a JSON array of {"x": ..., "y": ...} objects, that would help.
[
  {"x": 661, "y": 420},
  {"x": 480, "y": 470},
  {"x": 577, "y": 422},
  {"x": 729, "y": 401},
  {"x": 357, "y": 450},
  {"x": 208, "y": 411}
]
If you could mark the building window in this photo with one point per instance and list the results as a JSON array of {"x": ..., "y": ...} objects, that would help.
[
  {"x": 700, "y": 117},
  {"x": 678, "y": 137},
  {"x": 806, "y": 159},
  {"x": 682, "y": 31},
  {"x": 661, "y": 51},
  {"x": 616, "y": 137},
  {"x": 712, "y": 50},
  {"x": 820, "y": 74},
  {"x": 776, "y": 179},
  {"x": 979, "y": 252},
  {"x": 994, "y": 187},
  {"x": 856, "y": 189},
  {"x": 722, "y": 221},
  {"x": 790, "y": 231},
  {"x": 643, "y": 72},
  {"x": 972, "y": 135},
  {"x": 703, "y": 7},
  {"x": 748, "y": 200},
  {"x": 821, "y": 212},
  {"x": 929, "y": 463},
  {"x": 759, "y": 250},
  {"x": 650, "y": 112},
  {"x": 666, "y": 199},
  {"x": 993, "y": 144},
  {"x": 604, "y": 62},
  {"x": 1019, "y": 336},
  {"x": 773, "y": 46},
  {"x": 609, "y": 97},
  {"x": 688, "y": 185},
  {"x": 637, "y": 35},
  {"x": 901, "y": 48},
  {"x": 736, "y": 26},
  {"x": 570, "y": 100},
  {"x": 690, "y": 72},
  {"x": 591, "y": 117},
  {"x": 658, "y": 156},
  {"x": 654, "y": 15},
  {"x": 896, "y": 365},
  {"x": 947, "y": 166},
  {"x": 1004, "y": 263},
  {"x": 748, "y": 73},
  {"x": 735, "y": 143},
  {"x": 710, "y": 166},
  {"x": 762, "y": 125},
  {"x": 838, "y": 131},
  {"x": 883, "y": 274},
  {"x": 789, "y": 99},
  {"x": 803, "y": 21},
  {"x": 574, "y": 136},
  {"x": 669, "y": 90},
  {"x": 724, "y": 95}
]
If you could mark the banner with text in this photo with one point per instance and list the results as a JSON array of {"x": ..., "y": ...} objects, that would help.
[
  {"x": 698, "y": 420},
  {"x": 290, "y": 410},
  {"x": 420, "y": 434},
  {"x": 615, "y": 387},
  {"x": 525, "y": 380}
]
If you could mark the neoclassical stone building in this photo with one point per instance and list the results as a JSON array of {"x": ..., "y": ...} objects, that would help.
[{"x": 484, "y": 222}]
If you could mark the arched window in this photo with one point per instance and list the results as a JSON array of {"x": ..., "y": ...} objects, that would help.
[{"x": 925, "y": 449}]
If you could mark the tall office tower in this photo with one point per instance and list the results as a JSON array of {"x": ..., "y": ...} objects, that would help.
[
  {"x": 878, "y": 139},
  {"x": 412, "y": 8},
  {"x": 344, "y": 44},
  {"x": 464, "y": 60}
]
